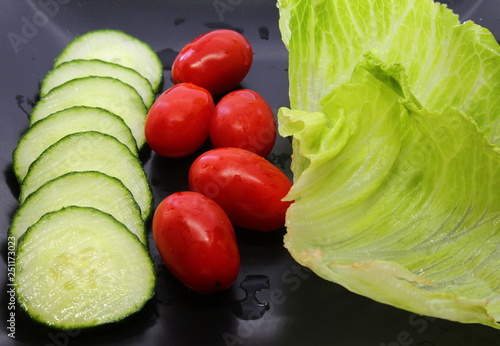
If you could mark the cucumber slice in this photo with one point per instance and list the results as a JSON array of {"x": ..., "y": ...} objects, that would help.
[
  {"x": 117, "y": 47},
  {"x": 86, "y": 189},
  {"x": 78, "y": 267},
  {"x": 90, "y": 151},
  {"x": 84, "y": 68},
  {"x": 102, "y": 92},
  {"x": 49, "y": 130}
]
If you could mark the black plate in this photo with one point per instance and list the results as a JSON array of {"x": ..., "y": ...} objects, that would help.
[{"x": 288, "y": 304}]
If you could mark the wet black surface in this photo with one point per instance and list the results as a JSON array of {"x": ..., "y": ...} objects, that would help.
[{"x": 274, "y": 300}]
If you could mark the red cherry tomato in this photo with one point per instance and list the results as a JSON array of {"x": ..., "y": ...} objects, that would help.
[
  {"x": 243, "y": 119},
  {"x": 196, "y": 241},
  {"x": 248, "y": 187},
  {"x": 178, "y": 122},
  {"x": 217, "y": 60}
]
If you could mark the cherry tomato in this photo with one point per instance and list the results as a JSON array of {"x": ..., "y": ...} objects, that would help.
[
  {"x": 243, "y": 119},
  {"x": 217, "y": 60},
  {"x": 196, "y": 241},
  {"x": 178, "y": 122},
  {"x": 249, "y": 188}
]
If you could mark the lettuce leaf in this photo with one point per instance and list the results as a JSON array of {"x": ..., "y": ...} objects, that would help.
[
  {"x": 396, "y": 156},
  {"x": 447, "y": 63}
]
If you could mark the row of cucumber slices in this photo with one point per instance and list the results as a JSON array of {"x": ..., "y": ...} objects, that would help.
[{"x": 82, "y": 249}]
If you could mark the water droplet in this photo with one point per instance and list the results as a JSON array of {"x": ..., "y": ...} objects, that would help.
[
  {"x": 167, "y": 57},
  {"x": 264, "y": 33},
  {"x": 179, "y": 21},
  {"x": 24, "y": 101},
  {"x": 250, "y": 308}
]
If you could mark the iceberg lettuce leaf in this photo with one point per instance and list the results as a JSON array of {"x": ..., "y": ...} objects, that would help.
[
  {"x": 396, "y": 156},
  {"x": 398, "y": 203},
  {"x": 447, "y": 63}
]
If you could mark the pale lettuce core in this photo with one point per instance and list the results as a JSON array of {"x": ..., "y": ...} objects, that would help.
[{"x": 395, "y": 119}]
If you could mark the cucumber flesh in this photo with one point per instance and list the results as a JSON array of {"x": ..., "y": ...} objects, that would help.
[
  {"x": 90, "y": 151},
  {"x": 117, "y": 47},
  {"x": 49, "y": 130},
  {"x": 86, "y": 189},
  {"x": 83, "y": 68},
  {"x": 103, "y": 92},
  {"x": 78, "y": 267}
]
